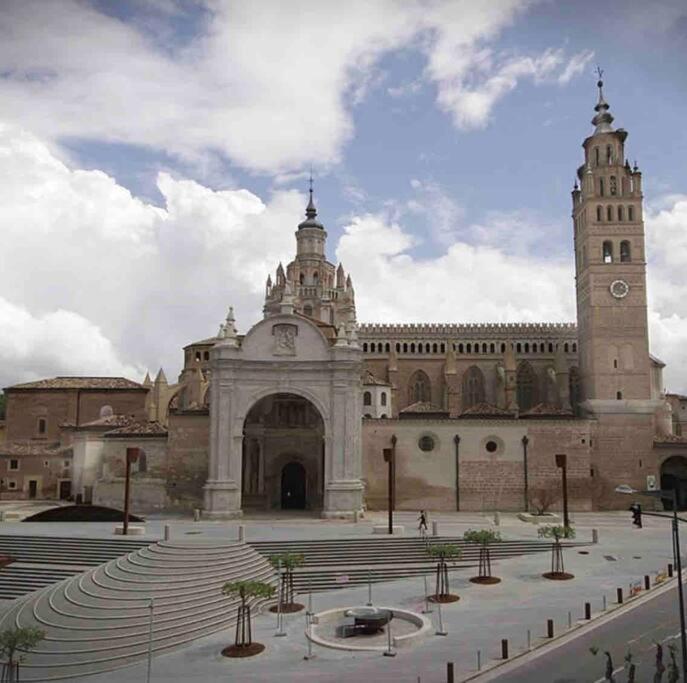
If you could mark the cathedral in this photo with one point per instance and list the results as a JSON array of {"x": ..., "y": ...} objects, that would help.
[{"x": 296, "y": 412}]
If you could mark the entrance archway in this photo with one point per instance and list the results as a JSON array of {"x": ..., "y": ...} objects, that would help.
[
  {"x": 674, "y": 476},
  {"x": 293, "y": 486},
  {"x": 283, "y": 455}
]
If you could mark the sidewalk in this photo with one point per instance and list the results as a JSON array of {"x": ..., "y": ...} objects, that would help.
[{"x": 483, "y": 616}]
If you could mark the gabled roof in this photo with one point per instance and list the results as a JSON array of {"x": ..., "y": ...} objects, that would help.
[
  {"x": 546, "y": 410},
  {"x": 109, "y": 422},
  {"x": 79, "y": 383},
  {"x": 369, "y": 378},
  {"x": 486, "y": 410},
  {"x": 423, "y": 408},
  {"x": 140, "y": 428}
]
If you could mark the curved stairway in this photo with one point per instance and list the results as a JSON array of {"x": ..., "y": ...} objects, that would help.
[{"x": 100, "y": 620}]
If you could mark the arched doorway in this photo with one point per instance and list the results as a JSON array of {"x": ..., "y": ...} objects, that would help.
[
  {"x": 293, "y": 486},
  {"x": 283, "y": 455},
  {"x": 674, "y": 476}
]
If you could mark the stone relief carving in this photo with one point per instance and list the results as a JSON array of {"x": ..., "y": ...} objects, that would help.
[{"x": 285, "y": 339}]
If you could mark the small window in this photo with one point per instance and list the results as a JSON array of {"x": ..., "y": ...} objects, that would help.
[
  {"x": 301, "y": 278},
  {"x": 503, "y": 348},
  {"x": 405, "y": 347},
  {"x": 383, "y": 398},
  {"x": 599, "y": 214},
  {"x": 550, "y": 347},
  {"x": 67, "y": 463},
  {"x": 468, "y": 348},
  {"x": 609, "y": 213},
  {"x": 566, "y": 347},
  {"x": 607, "y": 252},
  {"x": 42, "y": 425},
  {"x": 443, "y": 348},
  {"x": 596, "y": 155},
  {"x": 435, "y": 348},
  {"x": 13, "y": 465},
  {"x": 412, "y": 348},
  {"x": 518, "y": 347},
  {"x": 373, "y": 347},
  {"x": 46, "y": 463},
  {"x": 388, "y": 347},
  {"x": 625, "y": 255},
  {"x": 206, "y": 355},
  {"x": 367, "y": 399},
  {"x": 527, "y": 347},
  {"x": 601, "y": 187},
  {"x": 426, "y": 443},
  {"x": 574, "y": 347},
  {"x": 619, "y": 395},
  {"x": 621, "y": 214},
  {"x": 198, "y": 357},
  {"x": 615, "y": 363},
  {"x": 613, "y": 185},
  {"x": 630, "y": 213},
  {"x": 491, "y": 446},
  {"x": 609, "y": 154},
  {"x": 492, "y": 348},
  {"x": 398, "y": 347},
  {"x": 364, "y": 347},
  {"x": 141, "y": 463},
  {"x": 460, "y": 348},
  {"x": 11, "y": 484}
]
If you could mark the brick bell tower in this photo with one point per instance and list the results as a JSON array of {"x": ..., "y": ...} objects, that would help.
[{"x": 610, "y": 268}]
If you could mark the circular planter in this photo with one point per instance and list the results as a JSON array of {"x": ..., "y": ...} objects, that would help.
[
  {"x": 243, "y": 650},
  {"x": 558, "y": 576},
  {"x": 288, "y": 608},
  {"x": 485, "y": 580},
  {"x": 449, "y": 597}
]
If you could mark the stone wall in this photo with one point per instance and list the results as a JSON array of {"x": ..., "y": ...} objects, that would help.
[{"x": 187, "y": 458}]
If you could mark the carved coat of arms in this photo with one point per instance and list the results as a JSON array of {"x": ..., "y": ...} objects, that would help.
[{"x": 285, "y": 339}]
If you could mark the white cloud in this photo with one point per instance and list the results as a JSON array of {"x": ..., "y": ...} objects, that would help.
[
  {"x": 132, "y": 281},
  {"x": 269, "y": 85}
]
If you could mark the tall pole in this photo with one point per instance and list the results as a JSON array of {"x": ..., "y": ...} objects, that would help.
[
  {"x": 561, "y": 461},
  {"x": 525, "y": 441},
  {"x": 389, "y": 458},
  {"x": 456, "y": 440},
  {"x": 131, "y": 455},
  {"x": 678, "y": 564}
]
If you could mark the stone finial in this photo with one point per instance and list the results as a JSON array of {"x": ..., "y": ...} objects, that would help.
[
  {"x": 147, "y": 382},
  {"x": 160, "y": 377},
  {"x": 287, "y": 303},
  {"x": 222, "y": 331},
  {"x": 340, "y": 277}
]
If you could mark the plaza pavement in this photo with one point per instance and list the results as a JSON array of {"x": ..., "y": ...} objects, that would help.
[{"x": 483, "y": 616}]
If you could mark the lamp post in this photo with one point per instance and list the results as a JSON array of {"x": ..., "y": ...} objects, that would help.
[
  {"x": 671, "y": 494},
  {"x": 562, "y": 463},
  {"x": 390, "y": 459}
]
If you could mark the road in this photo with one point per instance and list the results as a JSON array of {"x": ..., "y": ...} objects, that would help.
[{"x": 636, "y": 630}]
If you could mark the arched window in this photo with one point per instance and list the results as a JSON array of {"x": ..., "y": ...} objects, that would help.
[
  {"x": 387, "y": 347},
  {"x": 315, "y": 277},
  {"x": 42, "y": 426},
  {"x": 625, "y": 254},
  {"x": 434, "y": 348},
  {"x": 364, "y": 347},
  {"x": 601, "y": 187},
  {"x": 574, "y": 347},
  {"x": 473, "y": 387},
  {"x": 428, "y": 347},
  {"x": 503, "y": 348},
  {"x": 460, "y": 348},
  {"x": 419, "y": 347},
  {"x": 518, "y": 347},
  {"x": 412, "y": 348},
  {"x": 373, "y": 347},
  {"x": 621, "y": 214},
  {"x": 468, "y": 348},
  {"x": 484, "y": 347},
  {"x": 630, "y": 213},
  {"x": 398, "y": 347},
  {"x": 613, "y": 186},
  {"x": 492, "y": 348},
  {"x": 607, "y": 252},
  {"x": 550, "y": 347},
  {"x": 527, "y": 387},
  {"x": 301, "y": 278},
  {"x": 367, "y": 399},
  {"x": 405, "y": 347},
  {"x": 609, "y": 154},
  {"x": 383, "y": 398},
  {"x": 599, "y": 213},
  {"x": 574, "y": 388},
  {"x": 596, "y": 155},
  {"x": 443, "y": 348},
  {"x": 609, "y": 213},
  {"x": 527, "y": 347},
  {"x": 566, "y": 348},
  {"x": 419, "y": 388},
  {"x": 619, "y": 395}
]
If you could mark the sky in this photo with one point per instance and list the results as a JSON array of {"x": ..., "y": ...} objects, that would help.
[{"x": 154, "y": 157}]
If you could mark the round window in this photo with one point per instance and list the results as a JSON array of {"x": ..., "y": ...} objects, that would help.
[
  {"x": 492, "y": 446},
  {"x": 426, "y": 443}
]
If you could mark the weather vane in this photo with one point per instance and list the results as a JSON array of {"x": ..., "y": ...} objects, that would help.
[
  {"x": 311, "y": 180},
  {"x": 599, "y": 72}
]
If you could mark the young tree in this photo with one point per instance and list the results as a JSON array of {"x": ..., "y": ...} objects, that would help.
[
  {"x": 660, "y": 666},
  {"x": 484, "y": 538},
  {"x": 243, "y": 641},
  {"x": 631, "y": 668},
  {"x": 443, "y": 552},
  {"x": 608, "y": 673},
  {"x": 673, "y": 669},
  {"x": 16, "y": 639},
  {"x": 288, "y": 562},
  {"x": 541, "y": 498},
  {"x": 557, "y": 533}
]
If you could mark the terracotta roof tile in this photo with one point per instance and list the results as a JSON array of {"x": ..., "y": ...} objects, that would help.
[
  {"x": 546, "y": 410},
  {"x": 139, "y": 429},
  {"x": 671, "y": 439},
  {"x": 80, "y": 383},
  {"x": 369, "y": 378},
  {"x": 109, "y": 422},
  {"x": 28, "y": 448},
  {"x": 485, "y": 410},
  {"x": 423, "y": 407}
]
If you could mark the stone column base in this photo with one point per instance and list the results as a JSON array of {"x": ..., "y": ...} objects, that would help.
[
  {"x": 342, "y": 499},
  {"x": 222, "y": 500}
]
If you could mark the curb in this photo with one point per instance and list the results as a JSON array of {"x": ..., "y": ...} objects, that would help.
[{"x": 502, "y": 667}]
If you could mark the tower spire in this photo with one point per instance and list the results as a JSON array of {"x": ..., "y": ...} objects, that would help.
[
  {"x": 603, "y": 118},
  {"x": 310, "y": 211}
]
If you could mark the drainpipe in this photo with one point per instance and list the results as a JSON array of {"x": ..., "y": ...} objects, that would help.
[
  {"x": 456, "y": 440},
  {"x": 525, "y": 441}
]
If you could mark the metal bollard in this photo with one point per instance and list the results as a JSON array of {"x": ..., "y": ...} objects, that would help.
[
  {"x": 389, "y": 652},
  {"x": 587, "y": 611},
  {"x": 435, "y": 532},
  {"x": 595, "y": 535},
  {"x": 619, "y": 595},
  {"x": 440, "y": 631},
  {"x": 308, "y": 638},
  {"x": 529, "y": 639},
  {"x": 604, "y": 603},
  {"x": 497, "y": 519},
  {"x": 168, "y": 532},
  {"x": 479, "y": 660},
  {"x": 647, "y": 583},
  {"x": 369, "y": 588},
  {"x": 549, "y": 628},
  {"x": 569, "y": 619},
  {"x": 504, "y": 648},
  {"x": 449, "y": 673},
  {"x": 242, "y": 533},
  {"x": 670, "y": 569},
  {"x": 196, "y": 515}
]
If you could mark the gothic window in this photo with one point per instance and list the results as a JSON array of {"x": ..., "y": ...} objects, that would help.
[
  {"x": 388, "y": 347},
  {"x": 412, "y": 348},
  {"x": 574, "y": 388},
  {"x": 630, "y": 213},
  {"x": 574, "y": 347},
  {"x": 468, "y": 348},
  {"x": 434, "y": 348},
  {"x": 383, "y": 398},
  {"x": 473, "y": 387},
  {"x": 419, "y": 388},
  {"x": 503, "y": 348},
  {"x": 550, "y": 347},
  {"x": 609, "y": 213},
  {"x": 492, "y": 348},
  {"x": 607, "y": 252},
  {"x": 367, "y": 399},
  {"x": 405, "y": 347},
  {"x": 596, "y": 155},
  {"x": 484, "y": 348},
  {"x": 460, "y": 348},
  {"x": 566, "y": 347},
  {"x": 625, "y": 255},
  {"x": 398, "y": 347},
  {"x": 518, "y": 347},
  {"x": 599, "y": 214},
  {"x": 373, "y": 347},
  {"x": 614, "y": 185},
  {"x": 601, "y": 187},
  {"x": 443, "y": 348},
  {"x": 527, "y": 347},
  {"x": 621, "y": 214},
  {"x": 527, "y": 386}
]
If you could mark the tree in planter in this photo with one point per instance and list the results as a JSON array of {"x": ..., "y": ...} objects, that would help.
[
  {"x": 608, "y": 673},
  {"x": 484, "y": 538},
  {"x": 673, "y": 669},
  {"x": 443, "y": 552},
  {"x": 660, "y": 666},
  {"x": 288, "y": 562},
  {"x": 541, "y": 498},
  {"x": 557, "y": 572},
  {"x": 12, "y": 640},
  {"x": 243, "y": 641}
]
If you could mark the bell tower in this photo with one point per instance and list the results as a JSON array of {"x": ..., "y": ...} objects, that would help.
[{"x": 610, "y": 268}]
